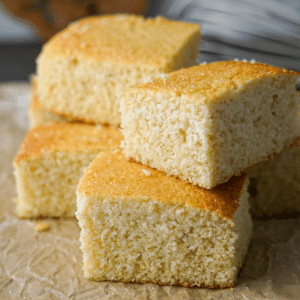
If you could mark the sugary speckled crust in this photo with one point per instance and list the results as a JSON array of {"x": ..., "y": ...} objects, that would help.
[
  {"x": 124, "y": 39},
  {"x": 67, "y": 137},
  {"x": 111, "y": 175},
  {"x": 208, "y": 82}
]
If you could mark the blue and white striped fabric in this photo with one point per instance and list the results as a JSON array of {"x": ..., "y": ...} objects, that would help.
[{"x": 265, "y": 30}]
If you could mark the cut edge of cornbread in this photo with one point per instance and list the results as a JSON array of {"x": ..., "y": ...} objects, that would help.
[
  {"x": 157, "y": 231},
  {"x": 50, "y": 163},
  {"x": 210, "y": 122}
]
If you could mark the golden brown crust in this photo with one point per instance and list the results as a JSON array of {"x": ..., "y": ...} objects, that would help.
[
  {"x": 111, "y": 175},
  {"x": 121, "y": 38},
  {"x": 210, "y": 81},
  {"x": 67, "y": 137}
]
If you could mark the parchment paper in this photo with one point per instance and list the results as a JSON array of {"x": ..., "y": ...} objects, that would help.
[{"x": 48, "y": 265}]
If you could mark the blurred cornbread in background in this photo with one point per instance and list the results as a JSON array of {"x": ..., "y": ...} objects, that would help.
[{"x": 82, "y": 70}]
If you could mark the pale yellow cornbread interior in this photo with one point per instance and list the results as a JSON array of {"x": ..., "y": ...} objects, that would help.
[
  {"x": 212, "y": 121},
  {"x": 50, "y": 163},
  {"x": 139, "y": 225}
]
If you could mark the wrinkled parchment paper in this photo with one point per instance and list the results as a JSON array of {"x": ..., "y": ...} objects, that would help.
[{"x": 48, "y": 265}]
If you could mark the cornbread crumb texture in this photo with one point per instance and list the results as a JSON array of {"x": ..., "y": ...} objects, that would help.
[
  {"x": 210, "y": 122},
  {"x": 67, "y": 137},
  {"x": 83, "y": 70},
  {"x": 164, "y": 231},
  {"x": 50, "y": 163},
  {"x": 275, "y": 184}
]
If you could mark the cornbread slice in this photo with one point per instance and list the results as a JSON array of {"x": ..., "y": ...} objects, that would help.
[
  {"x": 210, "y": 122},
  {"x": 139, "y": 225},
  {"x": 50, "y": 163},
  {"x": 84, "y": 68},
  {"x": 39, "y": 115},
  {"x": 275, "y": 184}
]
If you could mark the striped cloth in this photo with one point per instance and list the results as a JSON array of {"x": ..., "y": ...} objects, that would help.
[{"x": 265, "y": 30}]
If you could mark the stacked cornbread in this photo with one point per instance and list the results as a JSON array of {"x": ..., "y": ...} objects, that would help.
[
  {"x": 173, "y": 207},
  {"x": 196, "y": 124},
  {"x": 79, "y": 75},
  {"x": 205, "y": 125}
]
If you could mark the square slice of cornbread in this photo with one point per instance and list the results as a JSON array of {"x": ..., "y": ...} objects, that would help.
[
  {"x": 50, "y": 163},
  {"x": 212, "y": 121},
  {"x": 83, "y": 69},
  {"x": 140, "y": 225}
]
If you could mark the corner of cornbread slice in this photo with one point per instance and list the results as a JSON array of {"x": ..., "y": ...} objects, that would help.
[
  {"x": 50, "y": 163},
  {"x": 140, "y": 225},
  {"x": 212, "y": 121},
  {"x": 84, "y": 68}
]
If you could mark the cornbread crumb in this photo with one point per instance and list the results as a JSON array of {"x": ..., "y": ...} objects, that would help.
[
  {"x": 41, "y": 226},
  {"x": 207, "y": 123},
  {"x": 159, "y": 229},
  {"x": 163, "y": 77},
  {"x": 146, "y": 172}
]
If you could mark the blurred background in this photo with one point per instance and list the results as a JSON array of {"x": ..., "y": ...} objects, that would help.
[
  {"x": 19, "y": 47},
  {"x": 267, "y": 31}
]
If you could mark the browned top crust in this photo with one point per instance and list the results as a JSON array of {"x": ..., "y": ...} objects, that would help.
[
  {"x": 67, "y": 137},
  {"x": 121, "y": 38},
  {"x": 111, "y": 175},
  {"x": 209, "y": 81}
]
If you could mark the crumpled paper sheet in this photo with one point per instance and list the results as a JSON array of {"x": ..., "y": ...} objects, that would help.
[{"x": 48, "y": 265}]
